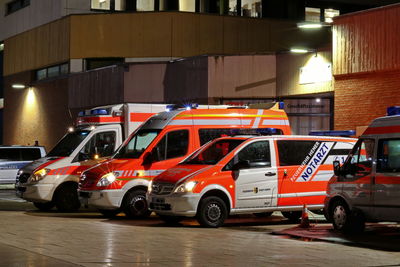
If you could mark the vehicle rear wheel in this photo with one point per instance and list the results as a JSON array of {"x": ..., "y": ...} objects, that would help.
[
  {"x": 109, "y": 213},
  {"x": 44, "y": 206},
  {"x": 66, "y": 198},
  {"x": 135, "y": 204},
  {"x": 292, "y": 216},
  {"x": 171, "y": 220},
  {"x": 263, "y": 214},
  {"x": 212, "y": 212},
  {"x": 345, "y": 220}
]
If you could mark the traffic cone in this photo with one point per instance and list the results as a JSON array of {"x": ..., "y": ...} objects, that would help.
[{"x": 305, "y": 222}]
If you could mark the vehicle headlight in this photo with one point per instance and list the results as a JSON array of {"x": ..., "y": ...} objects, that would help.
[
  {"x": 186, "y": 187},
  {"x": 107, "y": 179},
  {"x": 149, "y": 189},
  {"x": 39, "y": 175}
]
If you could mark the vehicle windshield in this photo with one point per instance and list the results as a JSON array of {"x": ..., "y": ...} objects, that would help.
[
  {"x": 214, "y": 152},
  {"x": 138, "y": 143},
  {"x": 68, "y": 144}
]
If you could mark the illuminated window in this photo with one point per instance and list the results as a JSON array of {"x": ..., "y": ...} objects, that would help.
[
  {"x": 1, "y": 47},
  {"x": 313, "y": 14},
  {"x": 145, "y": 5},
  {"x": 251, "y": 8},
  {"x": 108, "y": 5},
  {"x": 187, "y": 5},
  {"x": 330, "y": 14},
  {"x": 16, "y": 5}
]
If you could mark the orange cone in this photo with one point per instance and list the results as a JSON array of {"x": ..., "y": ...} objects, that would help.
[{"x": 305, "y": 222}]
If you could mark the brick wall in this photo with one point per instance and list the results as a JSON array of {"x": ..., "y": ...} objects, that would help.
[{"x": 360, "y": 98}]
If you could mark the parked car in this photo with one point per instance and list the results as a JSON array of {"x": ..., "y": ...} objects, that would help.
[
  {"x": 244, "y": 175},
  {"x": 366, "y": 188},
  {"x": 12, "y": 158}
]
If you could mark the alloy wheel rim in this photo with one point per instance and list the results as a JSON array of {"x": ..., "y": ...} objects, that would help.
[
  {"x": 339, "y": 216},
  {"x": 214, "y": 212}
]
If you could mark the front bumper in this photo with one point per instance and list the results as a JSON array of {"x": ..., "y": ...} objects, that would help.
[
  {"x": 174, "y": 204},
  {"x": 35, "y": 192},
  {"x": 102, "y": 199}
]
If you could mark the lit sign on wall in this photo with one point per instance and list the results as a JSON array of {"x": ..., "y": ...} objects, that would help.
[{"x": 315, "y": 71}]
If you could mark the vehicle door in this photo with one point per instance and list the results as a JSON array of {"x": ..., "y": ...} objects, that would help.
[
  {"x": 386, "y": 186},
  {"x": 358, "y": 174},
  {"x": 171, "y": 149},
  {"x": 10, "y": 161},
  {"x": 255, "y": 175}
]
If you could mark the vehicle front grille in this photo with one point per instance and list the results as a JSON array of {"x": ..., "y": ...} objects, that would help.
[
  {"x": 23, "y": 178},
  {"x": 162, "y": 188},
  {"x": 87, "y": 180},
  {"x": 160, "y": 206}
]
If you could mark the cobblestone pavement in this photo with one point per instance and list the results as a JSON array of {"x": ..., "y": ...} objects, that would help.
[{"x": 32, "y": 238}]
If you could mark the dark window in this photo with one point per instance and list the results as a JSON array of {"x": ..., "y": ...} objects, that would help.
[
  {"x": 388, "y": 156},
  {"x": 101, "y": 144},
  {"x": 51, "y": 72},
  {"x": 359, "y": 162},
  {"x": 206, "y": 135},
  {"x": 172, "y": 145},
  {"x": 257, "y": 154},
  {"x": 30, "y": 153},
  {"x": 214, "y": 152},
  {"x": 16, "y": 5},
  {"x": 68, "y": 144},
  {"x": 95, "y": 63},
  {"x": 293, "y": 152},
  {"x": 10, "y": 154}
]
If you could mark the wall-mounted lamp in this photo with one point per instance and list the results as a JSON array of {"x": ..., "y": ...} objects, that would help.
[
  {"x": 312, "y": 25},
  {"x": 302, "y": 50},
  {"x": 18, "y": 86}
]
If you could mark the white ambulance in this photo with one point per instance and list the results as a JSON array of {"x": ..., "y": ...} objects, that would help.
[
  {"x": 366, "y": 188},
  {"x": 53, "y": 180}
]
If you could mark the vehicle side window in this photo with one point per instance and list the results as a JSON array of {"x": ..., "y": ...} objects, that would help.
[
  {"x": 102, "y": 144},
  {"x": 293, "y": 152},
  {"x": 10, "y": 154},
  {"x": 359, "y": 163},
  {"x": 30, "y": 153},
  {"x": 173, "y": 145},
  {"x": 388, "y": 156},
  {"x": 257, "y": 154}
]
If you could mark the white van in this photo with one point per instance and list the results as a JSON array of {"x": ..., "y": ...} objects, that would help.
[{"x": 12, "y": 158}]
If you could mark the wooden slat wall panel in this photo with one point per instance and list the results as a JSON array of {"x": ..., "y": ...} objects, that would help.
[
  {"x": 367, "y": 41},
  {"x": 42, "y": 46}
]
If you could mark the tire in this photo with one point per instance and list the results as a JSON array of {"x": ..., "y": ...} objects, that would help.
[
  {"x": 212, "y": 212},
  {"x": 170, "y": 220},
  {"x": 66, "y": 198},
  {"x": 46, "y": 206},
  {"x": 263, "y": 214},
  {"x": 345, "y": 220},
  {"x": 109, "y": 213},
  {"x": 135, "y": 204},
  {"x": 292, "y": 216}
]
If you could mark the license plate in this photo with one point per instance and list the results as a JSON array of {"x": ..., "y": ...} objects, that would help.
[{"x": 158, "y": 200}]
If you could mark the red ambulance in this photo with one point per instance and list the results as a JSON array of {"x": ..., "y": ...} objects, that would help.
[
  {"x": 241, "y": 175},
  {"x": 120, "y": 184}
]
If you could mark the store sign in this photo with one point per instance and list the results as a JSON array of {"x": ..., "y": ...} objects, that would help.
[
  {"x": 315, "y": 73},
  {"x": 307, "y": 106}
]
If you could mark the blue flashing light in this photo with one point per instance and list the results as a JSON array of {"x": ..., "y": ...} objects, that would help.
[
  {"x": 394, "y": 110},
  {"x": 281, "y": 105},
  {"x": 334, "y": 133},
  {"x": 257, "y": 131},
  {"x": 99, "y": 112},
  {"x": 81, "y": 113}
]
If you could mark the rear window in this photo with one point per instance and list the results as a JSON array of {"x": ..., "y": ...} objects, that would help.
[
  {"x": 19, "y": 154},
  {"x": 293, "y": 152}
]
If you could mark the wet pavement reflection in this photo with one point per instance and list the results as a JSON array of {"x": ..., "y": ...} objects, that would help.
[{"x": 32, "y": 238}]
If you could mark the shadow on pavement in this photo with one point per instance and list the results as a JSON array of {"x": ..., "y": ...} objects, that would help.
[{"x": 376, "y": 236}]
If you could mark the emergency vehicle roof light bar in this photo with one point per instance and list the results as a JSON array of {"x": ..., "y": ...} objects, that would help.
[
  {"x": 394, "y": 110},
  {"x": 258, "y": 132},
  {"x": 176, "y": 106},
  {"x": 99, "y": 112},
  {"x": 345, "y": 133}
]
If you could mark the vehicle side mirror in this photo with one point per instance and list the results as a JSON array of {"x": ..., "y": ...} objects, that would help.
[
  {"x": 244, "y": 164},
  {"x": 148, "y": 158},
  {"x": 336, "y": 168}
]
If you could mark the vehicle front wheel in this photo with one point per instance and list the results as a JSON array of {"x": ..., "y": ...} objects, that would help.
[
  {"x": 135, "y": 204},
  {"x": 292, "y": 216},
  {"x": 345, "y": 220},
  {"x": 212, "y": 212},
  {"x": 66, "y": 198},
  {"x": 44, "y": 206}
]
